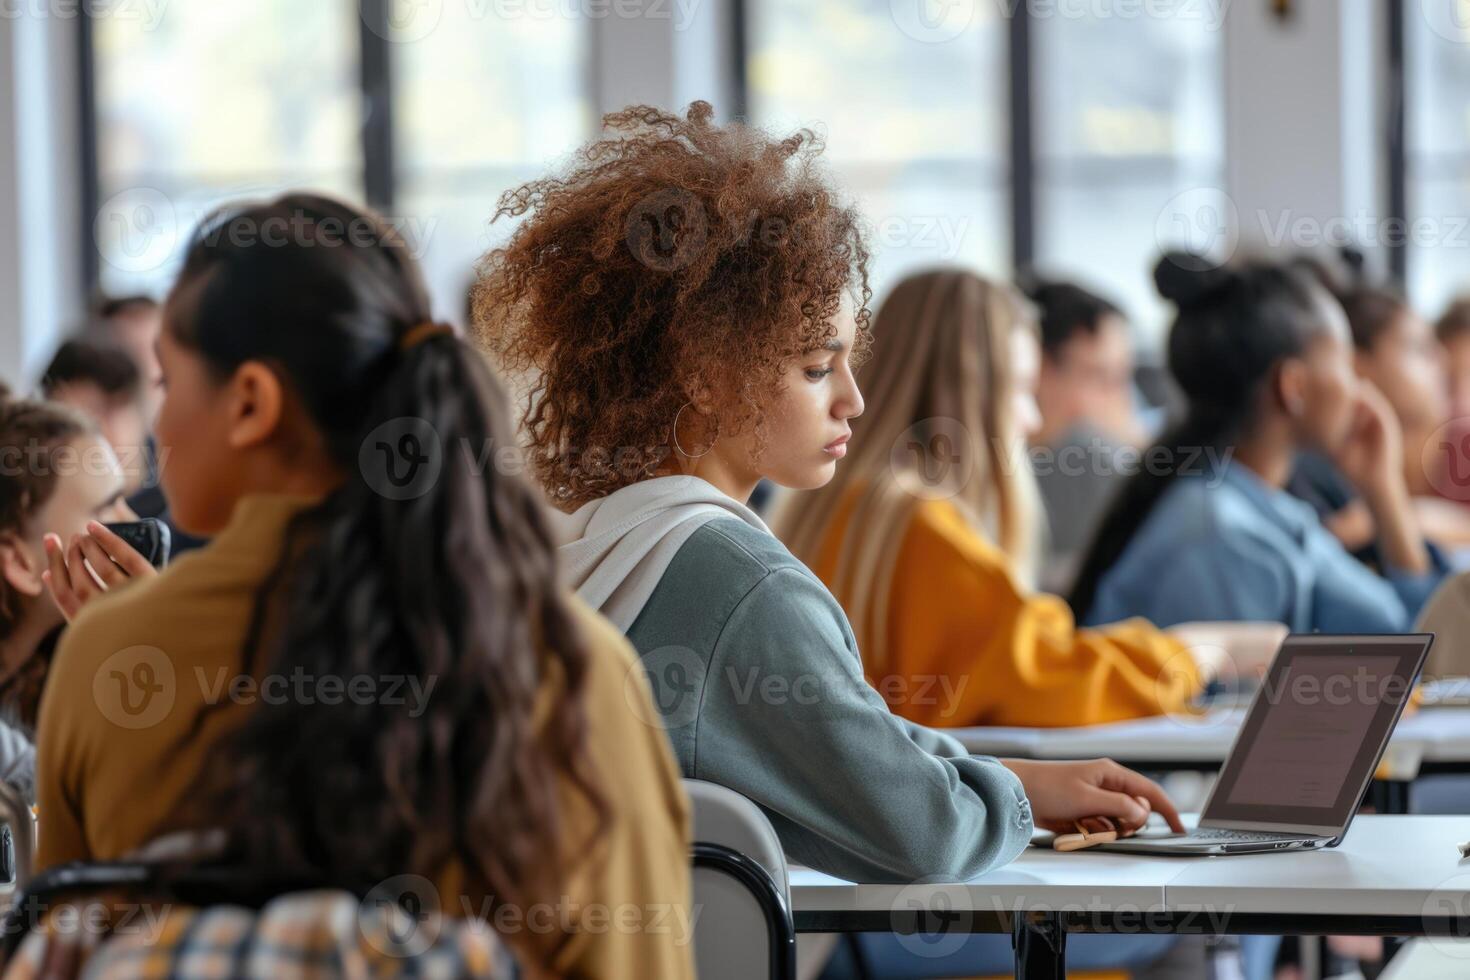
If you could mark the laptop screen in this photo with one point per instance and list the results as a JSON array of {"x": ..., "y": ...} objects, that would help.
[{"x": 1316, "y": 729}]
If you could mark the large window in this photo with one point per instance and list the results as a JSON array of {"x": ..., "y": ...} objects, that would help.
[
  {"x": 1129, "y": 115},
  {"x": 217, "y": 101},
  {"x": 1124, "y": 113},
  {"x": 914, "y": 111},
  {"x": 1437, "y": 150},
  {"x": 480, "y": 105}
]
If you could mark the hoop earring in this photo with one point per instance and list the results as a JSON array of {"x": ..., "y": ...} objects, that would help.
[{"x": 679, "y": 448}]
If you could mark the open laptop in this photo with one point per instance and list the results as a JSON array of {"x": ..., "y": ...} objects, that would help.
[{"x": 1311, "y": 741}]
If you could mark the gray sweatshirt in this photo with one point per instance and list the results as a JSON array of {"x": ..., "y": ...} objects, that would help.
[{"x": 757, "y": 674}]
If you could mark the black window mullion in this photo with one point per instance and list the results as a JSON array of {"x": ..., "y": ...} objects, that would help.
[
  {"x": 1023, "y": 150},
  {"x": 91, "y": 192},
  {"x": 1398, "y": 133},
  {"x": 377, "y": 92},
  {"x": 739, "y": 52}
]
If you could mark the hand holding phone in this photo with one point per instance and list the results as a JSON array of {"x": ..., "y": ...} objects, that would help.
[
  {"x": 100, "y": 560},
  {"x": 148, "y": 536}
]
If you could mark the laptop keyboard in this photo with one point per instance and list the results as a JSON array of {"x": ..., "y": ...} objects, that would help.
[{"x": 1236, "y": 835}]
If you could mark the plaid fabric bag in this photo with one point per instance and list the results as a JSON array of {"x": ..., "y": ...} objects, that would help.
[{"x": 309, "y": 935}]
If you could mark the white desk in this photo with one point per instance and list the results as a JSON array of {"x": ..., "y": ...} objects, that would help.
[
  {"x": 1392, "y": 875},
  {"x": 1163, "y": 739},
  {"x": 1039, "y": 880},
  {"x": 1430, "y": 740},
  {"x": 1386, "y": 866}
]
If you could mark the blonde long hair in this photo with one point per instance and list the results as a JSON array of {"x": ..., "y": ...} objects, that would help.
[{"x": 938, "y": 395}]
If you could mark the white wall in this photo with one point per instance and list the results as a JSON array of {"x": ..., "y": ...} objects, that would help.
[
  {"x": 674, "y": 52},
  {"x": 1305, "y": 128},
  {"x": 41, "y": 293}
]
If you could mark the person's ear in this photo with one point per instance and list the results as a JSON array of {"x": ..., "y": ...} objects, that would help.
[
  {"x": 21, "y": 565},
  {"x": 256, "y": 401},
  {"x": 1291, "y": 388},
  {"x": 701, "y": 397}
]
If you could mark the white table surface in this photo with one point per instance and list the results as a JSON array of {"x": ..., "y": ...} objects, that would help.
[
  {"x": 1386, "y": 865},
  {"x": 1039, "y": 880},
  {"x": 1434, "y": 734}
]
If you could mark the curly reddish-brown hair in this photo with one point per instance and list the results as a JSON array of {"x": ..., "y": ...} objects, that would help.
[{"x": 675, "y": 260}]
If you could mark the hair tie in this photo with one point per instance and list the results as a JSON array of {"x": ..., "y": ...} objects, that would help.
[{"x": 414, "y": 336}]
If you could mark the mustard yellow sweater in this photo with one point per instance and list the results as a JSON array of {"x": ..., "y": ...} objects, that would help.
[{"x": 967, "y": 644}]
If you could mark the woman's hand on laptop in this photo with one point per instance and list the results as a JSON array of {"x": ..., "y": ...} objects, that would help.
[{"x": 1062, "y": 793}]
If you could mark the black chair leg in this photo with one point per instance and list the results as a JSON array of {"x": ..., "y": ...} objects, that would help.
[{"x": 1041, "y": 946}]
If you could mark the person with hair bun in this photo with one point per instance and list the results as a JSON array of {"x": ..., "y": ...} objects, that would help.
[
  {"x": 1264, "y": 357},
  {"x": 371, "y": 674}
]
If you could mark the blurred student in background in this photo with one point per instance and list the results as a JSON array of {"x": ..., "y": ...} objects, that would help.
[
  {"x": 133, "y": 324},
  {"x": 1087, "y": 362},
  {"x": 1264, "y": 356},
  {"x": 1395, "y": 349},
  {"x": 1450, "y": 449},
  {"x": 523, "y": 772},
  {"x": 58, "y": 478},
  {"x": 1452, "y": 330},
  {"x": 1087, "y": 400},
  {"x": 101, "y": 381},
  {"x": 920, "y": 531},
  {"x": 110, "y": 372}
]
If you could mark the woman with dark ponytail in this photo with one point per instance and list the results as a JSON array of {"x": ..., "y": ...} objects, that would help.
[
  {"x": 371, "y": 671},
  {"x": 1205, "y": 531}
]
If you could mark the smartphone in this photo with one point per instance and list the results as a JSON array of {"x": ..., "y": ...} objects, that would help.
[{"x": 149, "y": 537}]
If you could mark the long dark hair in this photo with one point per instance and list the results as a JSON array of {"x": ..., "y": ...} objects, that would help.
[
  {"x": 1234, "y": 325},
  {"x": 457, "y": 584}
]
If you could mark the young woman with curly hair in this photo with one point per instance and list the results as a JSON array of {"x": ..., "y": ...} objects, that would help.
[
  {"x": 476, "y": 714},
  {"x": 689, "y": 301}
]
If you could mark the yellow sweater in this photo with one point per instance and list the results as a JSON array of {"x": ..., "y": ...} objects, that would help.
[
  {"x": 968, "y": 645},
  {"x": 116, "y": 757}
]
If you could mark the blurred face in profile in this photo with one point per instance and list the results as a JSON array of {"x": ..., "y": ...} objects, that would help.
[
  {"x": 1407, "y": 364},
  {"x": 202, "y": 477},
  {"x": 121, "y": 420},
  {"x": 135, "y": 329},
  {"x": 1025, "y": 371},
  {"x": 1319, "y": 388},
  {"x": 89, "y": 486},
  {"x": 1457, "y": 365},
  {"x": 1089, "y": 379}
]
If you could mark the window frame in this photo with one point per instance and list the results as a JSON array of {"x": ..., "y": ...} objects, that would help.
[
  {"x": 378, "y": 131},
  {"x": 1397, "y": 135},
  {"x": 1024, "y": 183}
]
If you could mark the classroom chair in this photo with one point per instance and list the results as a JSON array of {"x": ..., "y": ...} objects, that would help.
[
  {"x": 1447, "y": 616},
  {"x": 745, "y": 930},
  {"x": 17, "y": 837}
]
